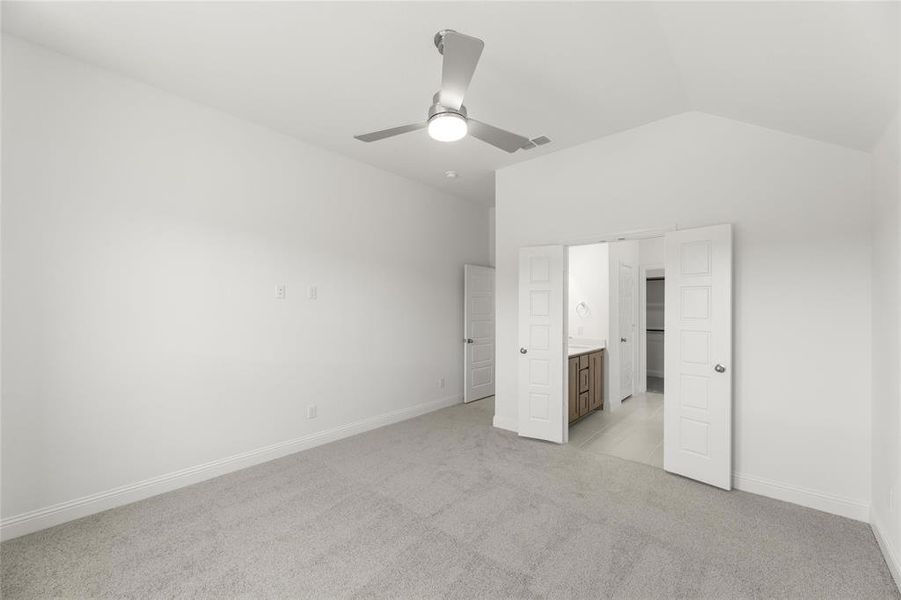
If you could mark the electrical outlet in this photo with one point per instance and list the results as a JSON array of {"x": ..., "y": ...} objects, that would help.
[
  {"x": 441, "y": 383},
  {"x": 313, "y": 292},
  {"x": 281, "y": 291},
  {"x": 311, "y": 411}
]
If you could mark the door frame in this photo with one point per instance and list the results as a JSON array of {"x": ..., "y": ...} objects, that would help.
[{"x": 635, "y": 234}]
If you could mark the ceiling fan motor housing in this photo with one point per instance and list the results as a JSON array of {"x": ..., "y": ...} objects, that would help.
[{"x": 437, "y": 109}]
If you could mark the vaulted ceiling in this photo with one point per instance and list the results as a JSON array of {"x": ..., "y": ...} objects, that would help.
[{"x": 574, "y": 72}]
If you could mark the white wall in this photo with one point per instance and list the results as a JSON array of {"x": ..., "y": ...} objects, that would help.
[
  {"x": 589, "y": 283},
  {"x": 650, "y": 252},
  {"x": 491, "y": 229},
  {"x": 143, "y": 237},
  {"x": 886, "y": 502},
  {"x": 802, "y": 279}
]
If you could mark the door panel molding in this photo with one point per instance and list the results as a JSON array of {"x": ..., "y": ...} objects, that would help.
[
  {"x": 697, "y": 403},
  {"x": 541, "y": 384},
  {"x": 478, "y": 332}
]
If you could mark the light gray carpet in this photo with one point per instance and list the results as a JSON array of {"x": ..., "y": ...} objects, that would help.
[{"x": 446, "y": 506}]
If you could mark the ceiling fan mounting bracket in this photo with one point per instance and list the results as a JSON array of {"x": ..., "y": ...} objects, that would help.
[{"x": 439, "y": 39}]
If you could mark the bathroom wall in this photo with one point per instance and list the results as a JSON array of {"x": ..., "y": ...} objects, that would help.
[{"x": 589, "y": 284}]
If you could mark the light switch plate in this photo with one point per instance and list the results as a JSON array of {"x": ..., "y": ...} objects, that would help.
[{"x": 313, "y": 292}]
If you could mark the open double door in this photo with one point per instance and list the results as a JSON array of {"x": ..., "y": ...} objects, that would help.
[{"x": 697, "y": 346}]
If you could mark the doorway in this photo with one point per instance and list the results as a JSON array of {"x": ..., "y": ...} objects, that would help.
[
  {"x": 607, "y": 323},
  {"x": 697, "y": 399},
  {"x": 654, "y": 304}
]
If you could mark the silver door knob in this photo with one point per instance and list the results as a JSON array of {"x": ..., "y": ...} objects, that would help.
[
  {"x": 523, "y": 351},
  {"x": 623, "y": 340},
  {"x": 719, "y": 368},
  {"x": 468, "y": 340}
]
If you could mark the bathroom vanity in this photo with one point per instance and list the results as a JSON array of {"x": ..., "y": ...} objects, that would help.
[{"x": 586, "y": 381}]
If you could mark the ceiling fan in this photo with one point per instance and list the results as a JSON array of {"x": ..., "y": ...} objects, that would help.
[{"x": 447, "y": 118}]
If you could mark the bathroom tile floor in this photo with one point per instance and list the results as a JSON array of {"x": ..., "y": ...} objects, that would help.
[{"x": 633, "y": 432}]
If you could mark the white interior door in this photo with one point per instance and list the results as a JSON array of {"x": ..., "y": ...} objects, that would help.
[
  {"x": 542, "y": 271},
  {"x": 697, "y": 403},
  {"x": 478, "y": 334},
  {"x": 626, "y": 331},
  {"x": 621, "y": 348}
]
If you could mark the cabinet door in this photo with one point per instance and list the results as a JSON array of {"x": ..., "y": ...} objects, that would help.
[
  {"x": 597, "y": 380},
  {"x": 591, "y": 391},
  {"x": 583, "y": 404},
  {"x": 573, "y": 389}
]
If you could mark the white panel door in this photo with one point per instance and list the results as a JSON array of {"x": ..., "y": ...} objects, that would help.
[
  {"x": 478, "y": 334},
  {"x": 697, "y": 402},
  {"x": 622, "y": 350},
  {"x": 541, "y": 343},
  {"x": 626, "y": 331}
]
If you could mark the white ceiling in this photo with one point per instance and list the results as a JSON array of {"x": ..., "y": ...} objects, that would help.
[{"x": 323, "y": 72}]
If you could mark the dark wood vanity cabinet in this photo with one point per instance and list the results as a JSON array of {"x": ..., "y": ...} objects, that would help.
[{"x": 586, "y": 383}]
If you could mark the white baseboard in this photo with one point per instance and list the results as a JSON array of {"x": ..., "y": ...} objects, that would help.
[
  {"x": 892, "y": 555},
  {"x": 858, "y": 510},
  {"x": 43, "y": 518},
  {"x": 506, "y": 423},
  {"x": 845, "y": 507}
]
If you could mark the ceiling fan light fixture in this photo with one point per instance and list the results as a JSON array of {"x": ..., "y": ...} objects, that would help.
[
  {"x": 447, "y": 119},
  {"x": 447, "y": 127}
]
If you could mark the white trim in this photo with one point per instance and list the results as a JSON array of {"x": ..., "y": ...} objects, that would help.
[
  {"x": 36, "y": 520},
  {"x": 892, "y": 556},
  {"x": 635, "y": 234},
  {"x": 858, "y": 510},
  {"x": 506, "y": 423}
]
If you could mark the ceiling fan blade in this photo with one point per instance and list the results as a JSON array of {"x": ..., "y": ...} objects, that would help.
[
  {"x": 499, "y": 138},
  {"x": 461, "y": 55},
  {"x": 386, "y": 133}
]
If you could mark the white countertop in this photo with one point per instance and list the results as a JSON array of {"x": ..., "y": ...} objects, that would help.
[{"x": 572, "y": 350}]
